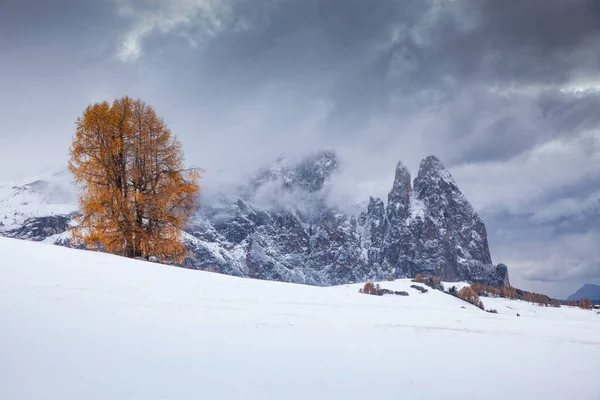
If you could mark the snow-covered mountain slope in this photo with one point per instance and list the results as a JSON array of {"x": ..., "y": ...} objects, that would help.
[
  {"x": 78, "y": 324},
  {"x": 298, "y": 236},
  {"x": 280, "y": 225},
  {"x": 38, "y": 207}
]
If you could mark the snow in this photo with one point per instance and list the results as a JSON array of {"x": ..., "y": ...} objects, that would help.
[
  {"x": 457, "y": 285},
  {"x": 78, "y": 324},
  {"x": 212, "y": 247},
  {"x": 59, "y": 238},
  {"x": 417, "y": 208},
  {"x": 51, "y": 193}
]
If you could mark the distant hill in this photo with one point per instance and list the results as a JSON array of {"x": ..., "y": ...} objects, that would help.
[{"x": 587, "y": 291}]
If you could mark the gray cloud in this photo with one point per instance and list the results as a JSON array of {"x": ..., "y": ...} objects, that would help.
[{"x": 506, "y": 93}]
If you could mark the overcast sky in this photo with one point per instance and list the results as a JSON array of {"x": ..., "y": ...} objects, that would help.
[{"x": 506, "y": 93}]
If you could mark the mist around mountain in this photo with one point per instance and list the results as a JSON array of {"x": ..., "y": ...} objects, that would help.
[{"x": 281, "y": 224}]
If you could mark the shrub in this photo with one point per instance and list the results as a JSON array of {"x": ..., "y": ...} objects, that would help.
[
  {"x": 433, "y": 282},
  {"x": 509, "y": 293},
  {"x": 536, "y": 298},
  {"x": 374, "y": 289},
  {"x": 389, "y": 279},
  {"x": 585, "y": 304},
  {"x": 419, "y": 288},
  {"x": 453, "y": 291},
  {"x": 419, "y": 278},
  {"x": 467, "y": 294},
  {"x": 485, "y": 290},
  {"x": 371, "y": 288},
  {"x": 477, "y": 288}
]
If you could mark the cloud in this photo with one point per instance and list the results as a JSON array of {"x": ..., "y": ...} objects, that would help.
[
  {"x": 206, "y": 17},
  {"x": 534, "y": 177},
  {"x": 558, "y": 265}
]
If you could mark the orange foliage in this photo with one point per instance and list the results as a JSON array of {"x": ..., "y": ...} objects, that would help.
[
  {"x": 509, "y": 293},
  {"x": 477, "y": 289},
  {"x": 469, "y": 295},
  {"x": 370, "y": 288},
  {"x": 419, "y": 278},
  {"x": 537, "y": 298},
  {"x": 136, "y": 195},
  {"x": 585, "y": 304},
  {"x": 485, "y": 290}
]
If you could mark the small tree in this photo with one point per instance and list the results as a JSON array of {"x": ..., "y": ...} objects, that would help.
[
  {"x": 371, "y": 288},
  {"x": 136, "y": 195},
  {"x": 509, "y": 293},
  {"x": 585, "y": 304},
  {"x": 453, "y": 291},
  {"x": 469, "y": 295}
]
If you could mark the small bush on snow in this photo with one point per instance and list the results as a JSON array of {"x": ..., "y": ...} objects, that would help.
[
  {"x": 467, "y": 294},
  {"x": 371, "y": 288},
  {"x": 419, "y": 288}
]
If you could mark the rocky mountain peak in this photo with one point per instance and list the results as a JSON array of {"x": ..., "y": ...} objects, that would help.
[
  {"x": 312, "y": 172},
  {"x": 309, "y": 174},
  {"x": 399, "y": 196},
  {"x": 280, "y": 226},
  {"x": 434, "y": 230},
  {"x": 437, "y": 189},
  {"x": 433, "y": 177}
]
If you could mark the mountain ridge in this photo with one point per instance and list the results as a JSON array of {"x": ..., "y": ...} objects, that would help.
[
  {"x": 281, "y": 226},
  {"x": 587, "y": 291}
]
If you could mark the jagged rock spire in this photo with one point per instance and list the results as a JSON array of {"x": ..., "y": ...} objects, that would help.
[
  {"x": 399, "y": 196},
  {"x": 428, "y": 227}
]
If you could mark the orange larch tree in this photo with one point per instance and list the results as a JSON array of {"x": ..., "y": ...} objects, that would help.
[
  {"x": 586, "y": 304},
  {"x": 469, "y": 295},
  {"x": 136, "y": 196}
]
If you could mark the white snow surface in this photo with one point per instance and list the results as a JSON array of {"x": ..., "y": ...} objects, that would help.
[
  {"x": 417, "y": 208},
  {"x": 51, "y": 193},
  {"x": 82, "y": 325}
]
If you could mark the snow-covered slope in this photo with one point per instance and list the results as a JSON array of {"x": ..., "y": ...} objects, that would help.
[
  {"x": 50, "y": 195},
  {"x": 77, "y": 324}
]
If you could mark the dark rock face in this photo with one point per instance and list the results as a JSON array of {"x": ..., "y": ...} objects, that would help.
[
  {"x": 430, "y": 229},
  {"x": 281, "y": 227},
  {"x": 440, "y": 233},
  {"x": 40, "y": 228},
  {"x": 502, "y": 275}
]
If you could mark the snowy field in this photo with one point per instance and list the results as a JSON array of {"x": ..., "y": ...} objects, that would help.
[{"x": 83, "y": 325}]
